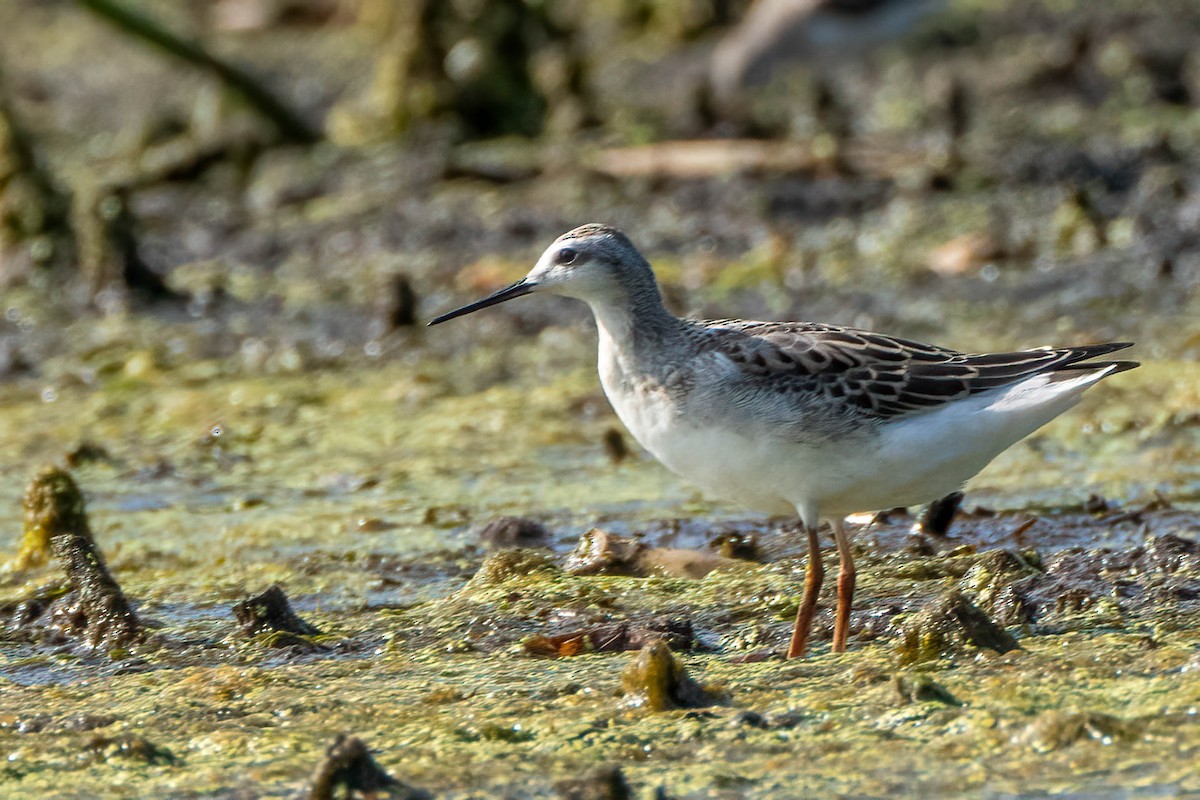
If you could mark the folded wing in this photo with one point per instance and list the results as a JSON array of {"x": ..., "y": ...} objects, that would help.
[{"x": 887, "y": 376}]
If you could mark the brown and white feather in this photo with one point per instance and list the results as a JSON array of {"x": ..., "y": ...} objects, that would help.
[{"x": 883, "y": 376}]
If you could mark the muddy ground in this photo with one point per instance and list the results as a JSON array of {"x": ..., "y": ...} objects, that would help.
[{"x": 278, "y": 420}]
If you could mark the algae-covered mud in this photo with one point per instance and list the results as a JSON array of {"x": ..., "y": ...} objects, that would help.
[{"x": 265, "y": 535}]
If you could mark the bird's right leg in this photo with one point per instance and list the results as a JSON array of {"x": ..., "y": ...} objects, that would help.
[{"x": 814, "y": 574}]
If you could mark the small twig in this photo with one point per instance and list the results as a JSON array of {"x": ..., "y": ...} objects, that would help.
[{"x": 1019, "y": 531}]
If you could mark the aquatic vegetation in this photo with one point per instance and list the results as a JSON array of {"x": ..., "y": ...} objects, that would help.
[{"x": 508, "y": 565}]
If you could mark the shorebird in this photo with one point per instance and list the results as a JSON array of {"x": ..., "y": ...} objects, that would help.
[{"x": 801, "y": 417}]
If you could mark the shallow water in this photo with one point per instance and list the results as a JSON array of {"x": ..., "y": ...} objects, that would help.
[{"x": 191, "y": 524}]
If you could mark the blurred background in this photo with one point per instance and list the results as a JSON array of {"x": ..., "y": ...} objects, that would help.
[{"x": 198, "y": 193}]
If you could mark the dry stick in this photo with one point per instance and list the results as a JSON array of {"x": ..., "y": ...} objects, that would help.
[{"x": 291, "y": 126}]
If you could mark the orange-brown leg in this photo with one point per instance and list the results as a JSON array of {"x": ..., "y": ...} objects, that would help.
[
  {"x": 808, "y": 605},
  {"x": 845, "y": 588}
]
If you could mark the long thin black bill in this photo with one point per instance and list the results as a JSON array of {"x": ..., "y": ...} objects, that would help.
[{"x": 518, "y": 289}]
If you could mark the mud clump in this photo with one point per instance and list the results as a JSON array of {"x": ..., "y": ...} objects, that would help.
[
  {"x": 87, "y": 453},
  {"x": 657, "y": 681},
  {"x": 1135, "y": 583},
  {"x": 605, "y": 783},
  {"x": 631, "y": 635},
  {"x": 735, "y": 545},
  {"x": 602, "y": 553},
  {"x": 946, "y": 627},
  {"x": 1096, "y": 504},
  {"x": 271, "y": 611},
  {"x": 990, "y": 580},
  {"x": 94, "y": 608},
  {"x": 349, "y": 765},
  {"x": 400, "y": 308},
  {"x": 1054, "y": 730},
  {"x": 922, "y": 689},
  {"x": 615, "y": 446},
  {"x": 509, "y": 564},
  {"x": 130, "y": 746},
  {"x": 25, "y": 612},
  {"x": 514, "y": 532}
]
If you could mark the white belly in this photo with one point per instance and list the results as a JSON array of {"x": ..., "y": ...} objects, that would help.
[
  {"x": 778, "y": 476},
  {"x": 719, "y": 461},
  {"x": 898, "y": 463}
]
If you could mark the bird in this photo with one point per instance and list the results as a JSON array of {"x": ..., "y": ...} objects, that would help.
[{"x": 803, "y": 418}]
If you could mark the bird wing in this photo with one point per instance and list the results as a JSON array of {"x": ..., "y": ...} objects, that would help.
[{"x": 884, "y": 376}]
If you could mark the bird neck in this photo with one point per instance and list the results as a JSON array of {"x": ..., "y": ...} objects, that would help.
[{"x": 634, "y": 320}]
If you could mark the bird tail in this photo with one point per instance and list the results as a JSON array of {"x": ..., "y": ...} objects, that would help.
[{"x": 1080, "y": 360}]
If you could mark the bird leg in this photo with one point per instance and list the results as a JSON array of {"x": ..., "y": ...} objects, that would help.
[
  {"x": 845, "y": 587},
  {"x": 814, "y": 574}
]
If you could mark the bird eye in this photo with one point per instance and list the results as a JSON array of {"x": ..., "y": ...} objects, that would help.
[{"x": 567, "y": 256}]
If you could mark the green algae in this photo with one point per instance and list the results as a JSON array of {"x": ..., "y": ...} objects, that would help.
[
  {"x": 508, "y": 565},
  {"x": 35, "y": 539},
  {"x": 323, "y": 450},
  {"x": 580, "y": 723}
]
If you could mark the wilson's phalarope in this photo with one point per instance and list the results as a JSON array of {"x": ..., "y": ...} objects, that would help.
[{"x": 801, "y": 417}]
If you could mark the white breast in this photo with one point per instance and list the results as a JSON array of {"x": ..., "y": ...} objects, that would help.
[{"x": 720, "y": 461}]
